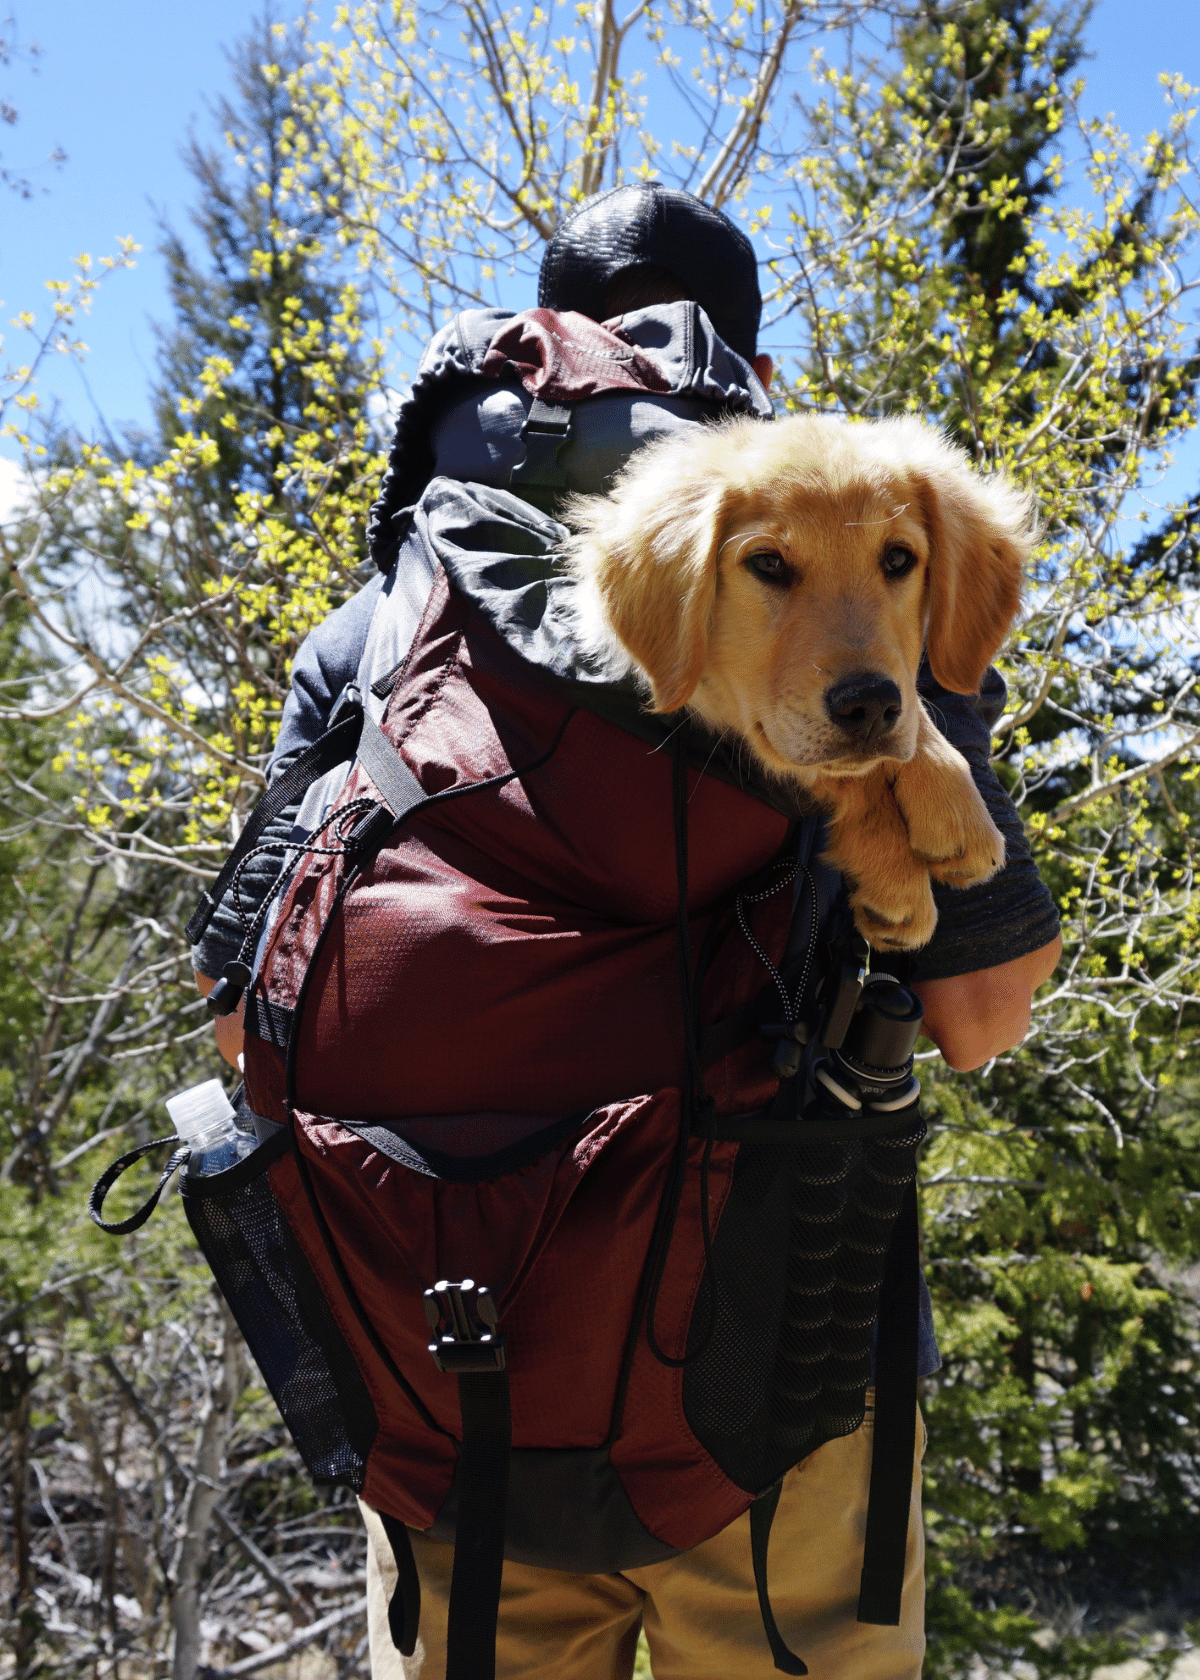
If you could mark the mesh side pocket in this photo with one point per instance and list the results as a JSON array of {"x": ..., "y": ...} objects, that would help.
[
  {"x": 799, "y": 1257},
  {"x": 282, "y": 1312}
]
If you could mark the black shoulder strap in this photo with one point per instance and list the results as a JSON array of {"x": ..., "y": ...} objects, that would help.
[
  {"x": 352, "y": 735},
  {"x": 334, "y": 747},
  {"x": 886, "y": 1544}
]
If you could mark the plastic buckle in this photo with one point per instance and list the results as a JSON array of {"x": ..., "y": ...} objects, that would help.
[
  {"x": 349, "y": 699},
  {"x": 789, "y": 1039},
  {"x": 541, "y": 469},
  {"x": 371, "y": 829},
  {"x": 464, "y": 1320}
]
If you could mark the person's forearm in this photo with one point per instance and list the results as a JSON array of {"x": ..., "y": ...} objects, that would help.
[
  {"x": 973, "y": 1017},
  {"x": 227, "y": 1028}
]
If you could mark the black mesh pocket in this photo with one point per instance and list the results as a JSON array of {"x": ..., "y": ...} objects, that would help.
[
  {"x": 799, "y": 1259},
  {"x": 282, "y": 1312}
]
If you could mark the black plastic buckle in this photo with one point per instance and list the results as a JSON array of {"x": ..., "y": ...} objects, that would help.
[
  {"x": 350, "y": 699},
  {"x": 464, "y": 1339},
  {"x": 540, "y": 469},
  {"x": 371, "y": 830},
  {"x": 225, "y": 996}
]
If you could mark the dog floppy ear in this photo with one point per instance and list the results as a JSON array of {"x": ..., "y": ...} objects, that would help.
[
  {"x": 980, "y": 533},
  {"x": 649, "y": 553}
]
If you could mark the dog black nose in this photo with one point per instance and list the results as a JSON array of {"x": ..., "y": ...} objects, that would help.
[{"x": 865, "y": 706}]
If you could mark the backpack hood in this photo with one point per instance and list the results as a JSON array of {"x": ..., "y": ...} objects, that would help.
[{"x": 648, "y": 371}]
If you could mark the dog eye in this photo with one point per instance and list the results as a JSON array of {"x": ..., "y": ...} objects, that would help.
[
  {"x": 769, "y": 566},
  {"x": 898, "y": 562}
]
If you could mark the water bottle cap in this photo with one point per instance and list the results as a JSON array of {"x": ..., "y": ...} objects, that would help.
[{"x": 198, "y": 1113}]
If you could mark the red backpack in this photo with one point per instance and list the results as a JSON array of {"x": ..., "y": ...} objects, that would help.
[
  {"x": 467, "y": 1026},
  {"x": 561, "y": 1243}
]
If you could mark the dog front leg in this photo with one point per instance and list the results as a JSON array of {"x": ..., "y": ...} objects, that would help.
[
  {"x": 889, "y": 888},
  {"x": 949, "y": 828}
]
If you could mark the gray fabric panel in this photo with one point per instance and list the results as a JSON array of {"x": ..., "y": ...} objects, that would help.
[
  {"x": 567, "y": 1509},
  {"x": 478, "y": 438},
  {"x": 698, "y": 363}
]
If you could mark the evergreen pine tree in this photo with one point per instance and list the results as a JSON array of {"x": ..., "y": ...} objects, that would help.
[{"x": 265, "y": 269}]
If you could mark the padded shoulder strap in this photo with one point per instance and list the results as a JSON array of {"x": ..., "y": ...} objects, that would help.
[{"x": 336, "y": 746}]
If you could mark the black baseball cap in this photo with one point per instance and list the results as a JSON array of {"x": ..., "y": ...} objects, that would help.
[{"x": 646, "y": 222}]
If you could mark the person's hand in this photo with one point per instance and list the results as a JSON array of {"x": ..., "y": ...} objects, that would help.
[
  {"x": 973, "y": 1017},
  {"x": 228, "y": 1028}
]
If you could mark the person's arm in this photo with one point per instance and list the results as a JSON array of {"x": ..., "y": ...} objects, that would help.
[
  {"x": 227, "y": 1029},
  {"x": 973, "y": 1017}
]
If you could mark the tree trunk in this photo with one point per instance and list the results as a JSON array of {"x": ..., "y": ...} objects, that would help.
[
  {"x": 1026, "y": 1477},
  {"x": 215, "y": 1431},
  {"x": 18, "y": 1392}
]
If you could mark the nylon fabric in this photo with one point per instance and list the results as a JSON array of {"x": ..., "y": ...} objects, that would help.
[{"x": 678, "y": 340}]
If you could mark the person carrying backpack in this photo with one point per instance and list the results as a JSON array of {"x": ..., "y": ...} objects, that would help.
[{"x": 449, "y": 1043}]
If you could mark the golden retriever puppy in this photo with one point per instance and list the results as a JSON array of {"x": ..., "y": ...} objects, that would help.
[{"x": 781, "y": 581}]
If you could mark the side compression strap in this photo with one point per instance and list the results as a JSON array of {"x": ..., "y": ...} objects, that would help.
[
  {"x": 762, "y": 1515},
  {"x": 404, "y": 1607},
  {"x": 479, "y": 1530},
  {"x": 886, "y": 1542},
  {"x": 387, "y": 770}
]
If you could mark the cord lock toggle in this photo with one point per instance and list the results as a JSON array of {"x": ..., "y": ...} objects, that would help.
[{"x": 227, "y": 993}]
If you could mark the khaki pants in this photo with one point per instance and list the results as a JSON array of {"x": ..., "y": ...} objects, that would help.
[{"x": 700, "y": 1610}]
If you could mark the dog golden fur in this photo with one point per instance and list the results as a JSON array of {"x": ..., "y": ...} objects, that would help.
[{"x": 781, "y": 582}]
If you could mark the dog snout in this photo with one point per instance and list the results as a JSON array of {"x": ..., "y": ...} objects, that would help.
[{"x": 865, "y": 706}]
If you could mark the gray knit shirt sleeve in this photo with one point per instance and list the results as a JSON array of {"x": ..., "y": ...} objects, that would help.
[{"x": 1013, "y": 913}]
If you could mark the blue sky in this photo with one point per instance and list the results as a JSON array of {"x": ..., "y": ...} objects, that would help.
[{"x": 119, "y": 85}]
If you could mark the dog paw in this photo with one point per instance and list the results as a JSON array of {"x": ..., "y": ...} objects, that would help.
[
  {"x": 902, "y": 919},
  {"x": 975, "y": 853},
  {"x": 955, "y": 839}
]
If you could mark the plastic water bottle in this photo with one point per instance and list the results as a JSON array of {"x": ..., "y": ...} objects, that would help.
[{"x": 205, "y": 1120}]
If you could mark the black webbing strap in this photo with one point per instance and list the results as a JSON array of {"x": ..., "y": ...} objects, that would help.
[
  {"x": 479, "y": 1530},
  {"x": 886, "y": 1542},
  {"x": 404, "y": 1606},
  {"x": 110, "y": 1175},
  {"x": 762, "y": 1515},
  {"x": 334, "y": 747},
  {"x": 540, "y": 477}
]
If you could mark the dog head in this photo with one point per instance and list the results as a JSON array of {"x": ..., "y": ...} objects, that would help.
[{"x": 782, "y": 580}]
